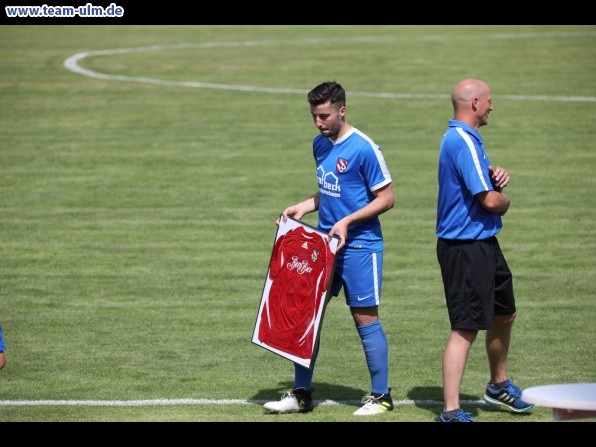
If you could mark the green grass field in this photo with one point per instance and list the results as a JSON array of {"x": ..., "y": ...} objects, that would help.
[{"x": 138, "y": 202}]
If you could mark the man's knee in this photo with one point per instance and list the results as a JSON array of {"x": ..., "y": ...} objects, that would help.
[{"x": 505, "y": 319}]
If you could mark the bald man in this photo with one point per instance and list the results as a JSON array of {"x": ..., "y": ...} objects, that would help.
[{"x": 476, "y": 278}]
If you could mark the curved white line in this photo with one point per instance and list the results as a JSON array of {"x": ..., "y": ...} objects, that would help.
[{"x": 72, "y": 64}]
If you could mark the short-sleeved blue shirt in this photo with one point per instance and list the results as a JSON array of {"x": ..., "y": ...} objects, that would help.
[
  {"x": 2, "y": 345},
  {"x": 348, "y": 170},
  {"x": 463, "y": 173}
]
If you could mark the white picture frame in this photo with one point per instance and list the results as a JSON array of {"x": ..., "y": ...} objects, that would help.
[{"x": 296, "y": 291}]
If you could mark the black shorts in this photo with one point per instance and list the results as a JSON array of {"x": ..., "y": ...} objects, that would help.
[{"x": 477, "y": 281}]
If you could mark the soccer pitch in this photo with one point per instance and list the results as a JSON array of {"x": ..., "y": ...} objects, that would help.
[{"x": 142, "y": 171}]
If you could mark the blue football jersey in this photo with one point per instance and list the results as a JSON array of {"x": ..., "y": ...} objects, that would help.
[{"x": 348, "y": 170}]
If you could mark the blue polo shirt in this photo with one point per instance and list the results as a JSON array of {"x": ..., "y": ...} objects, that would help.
[
  {"x": 463, "y": 173},
  {"x": 2, "y": 345}
]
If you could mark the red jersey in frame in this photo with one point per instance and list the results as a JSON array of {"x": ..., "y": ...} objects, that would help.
[{"x": 296, "y": 291}]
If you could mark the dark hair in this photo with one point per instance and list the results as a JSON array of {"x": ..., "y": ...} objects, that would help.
[{"x": 329, "y": 91}]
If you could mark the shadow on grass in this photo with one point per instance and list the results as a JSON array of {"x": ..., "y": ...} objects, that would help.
[
  {"x": 430, "y": 398},
  {"x": 321, "y": 391}
]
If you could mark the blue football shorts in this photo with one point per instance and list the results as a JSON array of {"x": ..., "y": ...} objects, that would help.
[{"x": 359, "y": 272}]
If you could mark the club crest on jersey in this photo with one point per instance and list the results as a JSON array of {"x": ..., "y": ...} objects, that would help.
[
  {"x": 314, "y": 255},
  {"x": 342, "y": 165}
]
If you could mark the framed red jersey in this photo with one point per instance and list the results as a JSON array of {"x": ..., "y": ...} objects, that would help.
[{"x": 296, "y": 291}]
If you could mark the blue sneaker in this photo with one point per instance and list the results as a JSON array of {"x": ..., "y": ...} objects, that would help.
[
  {"x": 460, "y": 416},
  {"x": 509, "y": 397}
]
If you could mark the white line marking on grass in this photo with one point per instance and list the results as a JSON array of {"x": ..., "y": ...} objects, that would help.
[
  {"x": 165, "y": 402},
  {"x": 72, "y": 64}
]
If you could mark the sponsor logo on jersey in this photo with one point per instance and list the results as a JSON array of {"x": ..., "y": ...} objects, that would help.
[
  {"x": 328, "y": 182},
  {"x": 301, "y": 267}
]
